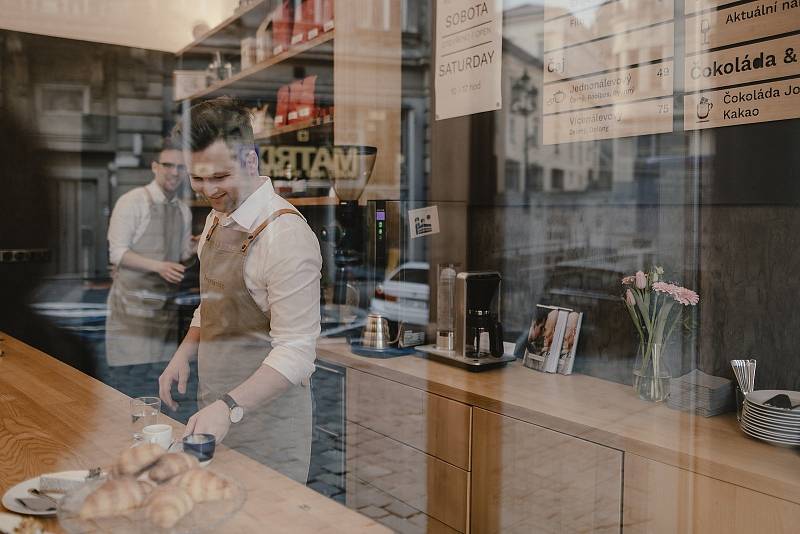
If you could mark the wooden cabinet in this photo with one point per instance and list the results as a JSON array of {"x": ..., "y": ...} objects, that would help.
[
  {"x": 413, "y": 447},
  {"x": 527, "y": 478},
  {"x": 661, "y": 498},
  {"x": 425, "y": 483},
  {"x": 430, "y": 423}
]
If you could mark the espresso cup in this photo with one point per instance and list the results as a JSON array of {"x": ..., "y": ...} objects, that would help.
[
  {"x": 160, "y": 434},
  {"x": 201, "y": 446}
]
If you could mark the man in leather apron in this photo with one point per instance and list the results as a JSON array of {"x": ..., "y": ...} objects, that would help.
[
  {"x": 254, "y": 333},
  {"x": 149, "y": 235}
]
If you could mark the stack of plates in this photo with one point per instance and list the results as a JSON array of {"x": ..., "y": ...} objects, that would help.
[
  {"x": 776, "y": 425},
  {"x": 701, "y": 393}
]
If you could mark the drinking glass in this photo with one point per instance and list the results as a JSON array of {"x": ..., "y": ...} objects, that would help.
[{"x": 144, "y": 412}]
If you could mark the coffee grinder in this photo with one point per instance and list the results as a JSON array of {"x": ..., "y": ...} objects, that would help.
[{"x": 478, "y": 333}]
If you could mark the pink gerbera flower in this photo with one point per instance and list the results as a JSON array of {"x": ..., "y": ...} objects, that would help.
[{"x": 684, "y": 296}]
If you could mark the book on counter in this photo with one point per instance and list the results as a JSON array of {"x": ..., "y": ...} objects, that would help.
[
  {"x": 569, "y": 346},
  {"x": 552, "y": 339}
]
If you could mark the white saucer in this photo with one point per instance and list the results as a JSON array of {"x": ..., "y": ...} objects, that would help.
[
  {"x": 21, "y": 490},
  {"x": 177, "y": 446}
]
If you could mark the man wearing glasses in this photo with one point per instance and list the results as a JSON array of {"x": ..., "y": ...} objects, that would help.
[{"x": 149, "y": 235}]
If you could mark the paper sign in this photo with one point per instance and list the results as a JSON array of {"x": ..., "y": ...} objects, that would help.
[
  {"x": 756, "y": 62},
  {"x": 608, "y": 19},
  {"x": 622, "y": 120},
  {"x": 423, "y": 221},
  {"x": 743, "y": 105},
  {"x": 626, "y": 85},
  {"x": 741, "y": 23},
  {"x": 469, "y": 50},
  {"x": 615, "y": 52}
]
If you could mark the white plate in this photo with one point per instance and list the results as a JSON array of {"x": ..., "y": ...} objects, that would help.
[
  {"x": 21, "y": 490},
  {"x": 760, "y": 396},
  {"x": 772, "y": 421},
  {"x": 771, "y": 435},
  {"x": 789, "y": 415},
  {"x": 768, "y": 439}
]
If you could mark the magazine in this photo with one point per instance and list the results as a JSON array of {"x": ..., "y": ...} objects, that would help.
[
  {"x": 566, "y": 360},
  {"x": 545, "y": 337}
]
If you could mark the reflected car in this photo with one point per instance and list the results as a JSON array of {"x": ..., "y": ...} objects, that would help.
[{"x": 403, "y": 295}]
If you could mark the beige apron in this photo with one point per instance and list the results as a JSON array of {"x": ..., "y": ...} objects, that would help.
[
  {"x": 234, "y": 341},
  {"x": 140, "y": 327}
]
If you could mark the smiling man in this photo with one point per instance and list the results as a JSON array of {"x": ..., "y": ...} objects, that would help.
[
  {"x": 149, "y": 234},
  {"x": 254, "y": 333}
]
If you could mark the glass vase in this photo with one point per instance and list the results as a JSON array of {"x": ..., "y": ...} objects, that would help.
[{"x": 651, "y": 375}]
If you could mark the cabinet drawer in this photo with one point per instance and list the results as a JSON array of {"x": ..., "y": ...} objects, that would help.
[
  {"x": 389, "y": 511},
  {"x": 527, "y": 478},
  {"x": 419, "y": 480},
  {"x": 664, "y": 498},
  {"x": 435, "y": 425}
]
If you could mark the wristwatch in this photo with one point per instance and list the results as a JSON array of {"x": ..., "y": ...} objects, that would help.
[{"x": 237, "y": 412}]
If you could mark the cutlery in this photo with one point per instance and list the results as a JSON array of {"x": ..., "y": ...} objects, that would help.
[
  {"x": 43, "y": 495},
  {"x": 36, "y": 504}
]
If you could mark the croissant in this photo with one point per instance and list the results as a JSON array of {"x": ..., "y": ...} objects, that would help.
[
  {"x": 167, "y": 505},
  {"x": 170, "y": 465},
  {"x": 203, "y": 485},
  {"x": 136, "y": 459},
  {"x": 114, "y": 497}
]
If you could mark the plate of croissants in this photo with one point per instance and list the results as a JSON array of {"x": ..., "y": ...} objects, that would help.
[{"x": 151, "y": 490}]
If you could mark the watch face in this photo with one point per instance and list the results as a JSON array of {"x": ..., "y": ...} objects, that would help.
[{"x": 237, "y": 413}]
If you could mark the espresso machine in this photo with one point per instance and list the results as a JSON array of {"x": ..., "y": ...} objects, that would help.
[{"x": 477, "y": 338}]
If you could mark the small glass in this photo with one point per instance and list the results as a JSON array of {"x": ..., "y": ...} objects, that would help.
[{"x": 144, "y": 412}]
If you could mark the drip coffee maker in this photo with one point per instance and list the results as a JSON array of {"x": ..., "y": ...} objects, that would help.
[{"x": 478, "y": 333}]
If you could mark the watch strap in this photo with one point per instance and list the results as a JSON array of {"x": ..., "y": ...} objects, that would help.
[{"x": 227, "y": 399}]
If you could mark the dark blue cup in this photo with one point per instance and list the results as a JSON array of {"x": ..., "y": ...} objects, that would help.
[{"x": 201, "y": 446}]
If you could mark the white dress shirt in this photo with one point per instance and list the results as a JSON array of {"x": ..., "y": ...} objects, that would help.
[
  {"x": 130, "y": 218},
  {"x": 282, "y": 271}
]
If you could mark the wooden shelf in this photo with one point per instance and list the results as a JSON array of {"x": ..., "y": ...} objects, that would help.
[
  {"x": 313, "y": 201},
  {"x": 227, "y": 34},
  {"x": 259, "y": 69},
  {"x": 296, "y": 127},
  {"x": 296, "y": 201}
]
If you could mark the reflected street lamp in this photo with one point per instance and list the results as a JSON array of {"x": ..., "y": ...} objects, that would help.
[{"x": 523, "y": 102}]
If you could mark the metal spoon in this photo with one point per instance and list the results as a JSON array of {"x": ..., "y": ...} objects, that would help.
[{"x": 45, "y": 496}]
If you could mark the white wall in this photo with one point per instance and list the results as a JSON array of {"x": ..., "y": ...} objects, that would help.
[{"x": 155, "y": 24}]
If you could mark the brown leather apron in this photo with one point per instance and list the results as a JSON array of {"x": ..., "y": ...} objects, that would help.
[
  {"x": 140, "y": 328},
  {"x": 234, "y": 341}
]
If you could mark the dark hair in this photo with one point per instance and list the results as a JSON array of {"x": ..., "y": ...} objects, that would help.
[
  {"x": 171, "y": 142},
  {"x": 221, "y": 118}
]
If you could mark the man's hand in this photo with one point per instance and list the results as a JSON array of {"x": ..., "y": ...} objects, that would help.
[
  {"x": 176, "y": 371},
  {"x": 171, "y": 272},
  {"x": 213, "y": 419}
]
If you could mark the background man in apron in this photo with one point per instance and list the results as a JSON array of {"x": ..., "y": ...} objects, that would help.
[
  {"x": 149, "y": 234},
  {"x": 254, "y": 333}
]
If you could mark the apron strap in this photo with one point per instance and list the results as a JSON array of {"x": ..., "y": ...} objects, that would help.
[
  {"x": 252, "y": 236},
  {"x": 213, "y": 227},
  {"x": 150, "y": 201}
]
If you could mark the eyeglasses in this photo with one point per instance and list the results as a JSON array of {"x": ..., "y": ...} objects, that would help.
[{"x": 172, "y": 166}]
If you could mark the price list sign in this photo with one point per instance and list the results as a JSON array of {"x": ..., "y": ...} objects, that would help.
[
  {"x": 608, "y": 69},
  {"x": 742, "y": 62},
  {"x": 469, "y": 50}
]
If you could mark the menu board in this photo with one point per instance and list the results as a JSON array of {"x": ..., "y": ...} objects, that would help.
[
  {"x": 608, "y": 69},
  {"x": 469, "y": 51},
  {"x": 720, "y": 53}
]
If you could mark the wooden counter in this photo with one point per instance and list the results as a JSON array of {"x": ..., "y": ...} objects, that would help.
[
  {"x": 601, "y": 412},
  {"x": 54, "y": 418}
]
